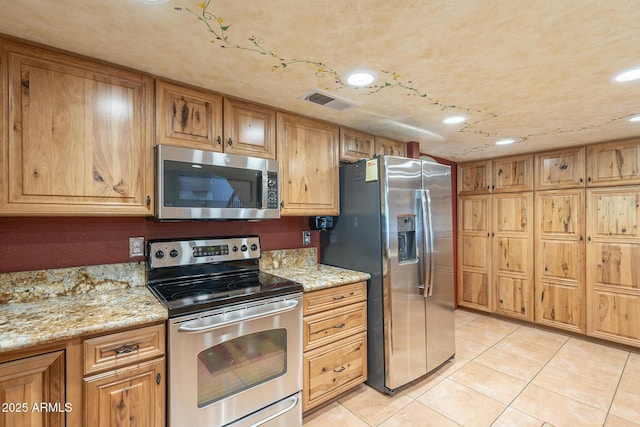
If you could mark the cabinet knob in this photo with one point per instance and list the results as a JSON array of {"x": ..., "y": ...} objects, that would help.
[
  {"x": 219, "y": 140},
  {"x": 282, "y": 204},
  {"x": 148, "y": 200},
  {"x": 158, "y": 378},
  {"x": 229, "y": 142}
]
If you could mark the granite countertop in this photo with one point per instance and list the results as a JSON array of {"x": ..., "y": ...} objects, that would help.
[
  {"x": 301, "y": 265},
  {"x": 41, "y": 307}
]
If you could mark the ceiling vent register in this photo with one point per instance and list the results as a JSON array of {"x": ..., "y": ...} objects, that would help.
[{"x": 327, "y": 99}]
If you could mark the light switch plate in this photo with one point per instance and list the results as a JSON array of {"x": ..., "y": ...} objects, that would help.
[
  {"x": 306, "y": 237},
  {"x": 136, "y": 246}
]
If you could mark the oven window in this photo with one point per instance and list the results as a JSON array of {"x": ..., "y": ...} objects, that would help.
[
  {"x": 239, "y": 364},
  {"x": 210, "y": 186}
]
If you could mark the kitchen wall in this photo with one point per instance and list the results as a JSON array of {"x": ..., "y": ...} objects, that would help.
[{"x": 42, "y": 243}]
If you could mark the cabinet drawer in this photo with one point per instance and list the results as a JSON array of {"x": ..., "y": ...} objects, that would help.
[
  {"x": 334, "y": 369},
  {"x": 123, "y": 348},
  {"x": 339, "y": 296},
  {"x": 328, "y": 326}
]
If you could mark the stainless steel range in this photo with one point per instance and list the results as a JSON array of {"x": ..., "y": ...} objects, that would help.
[{"x": 234, "y": 334}]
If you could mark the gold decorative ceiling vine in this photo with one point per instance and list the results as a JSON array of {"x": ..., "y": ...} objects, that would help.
[{"x": 219, "y": 29}]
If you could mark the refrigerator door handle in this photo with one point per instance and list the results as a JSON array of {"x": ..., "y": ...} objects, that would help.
[{"x": 427, "y": 245}]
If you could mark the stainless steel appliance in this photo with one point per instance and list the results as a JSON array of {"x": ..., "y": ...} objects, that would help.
[
  {"x": 396, "y": 224},
  {"x": 205, "y": 185},
  {"x": 234, "y": 334}
]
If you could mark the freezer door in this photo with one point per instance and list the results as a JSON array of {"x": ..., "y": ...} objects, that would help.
[
  {"x": 403, "y": 303},
  {"x": 439, "y": 288}
]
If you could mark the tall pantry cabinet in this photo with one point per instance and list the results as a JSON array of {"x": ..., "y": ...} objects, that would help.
[
  {"x": 559, "y": 237},
  {"x": 495, "y": 236},
  {"x": 581, "y": 272}
]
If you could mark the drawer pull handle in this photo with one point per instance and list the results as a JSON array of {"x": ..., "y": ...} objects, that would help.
[
  {"x": 341, "y": 369},
  {"x": 128, "y": 348},
  {"x": 339, "y": 298},
  {"x": 340, "y": 326}
]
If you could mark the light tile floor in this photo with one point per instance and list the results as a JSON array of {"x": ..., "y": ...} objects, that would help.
[{"x": 505, "y": 374}]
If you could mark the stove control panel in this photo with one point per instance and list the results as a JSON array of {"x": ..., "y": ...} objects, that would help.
[{"x": 174, "y": 253}]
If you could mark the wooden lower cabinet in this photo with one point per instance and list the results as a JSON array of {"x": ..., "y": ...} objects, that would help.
[
  {"x": 131, "y": 396},
  {"x": 124, "y": 383},
  {"x": 333, "y": 369},
  {"x": 512, "y": 254},
  {"x": 560, "y": 271},
  {"x": 474, "y": 252},
  {"x": 613, "y": 270},
  {"x": 37, "y": 380},
  {"x": 335, "y": 342}
]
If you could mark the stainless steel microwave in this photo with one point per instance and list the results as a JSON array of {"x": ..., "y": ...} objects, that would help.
[{"x": 205, "y": 185}]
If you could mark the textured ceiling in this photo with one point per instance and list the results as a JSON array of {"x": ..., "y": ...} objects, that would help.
[{"x": 536, "y": 71}]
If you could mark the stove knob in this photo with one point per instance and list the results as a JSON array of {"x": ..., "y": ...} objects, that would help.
[
  {"x": 254, "y": 247},
  {"x": 243, "y": 248},
  {"x": 159, "y": 254},
  {"x": 173, "y": 253},
  {"x": 235, "y": 248}
]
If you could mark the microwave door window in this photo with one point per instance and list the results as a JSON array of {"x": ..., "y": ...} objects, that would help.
[{"x": 211, "y": 187}]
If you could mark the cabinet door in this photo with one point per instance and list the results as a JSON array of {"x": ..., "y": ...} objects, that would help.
[
  {"x": 559, "y": 288},
  {"x": 333, "y": 369},
  {"x": 33, "y": 380},
  {"x": 560, "y": 169},
  {"x": 132, "y": 396},
  {"x": 474, "y": 252},
  {"x": 188, "y": 117},
  {"x": 80, "y": 138},
  {"x": 512, "y": 254},
  {"x": 389, "y": 147},
  {"x": 512, "y": 174},
  {"x": 474, "y": 177},
  {"x": 613, "y": 260},
  {"x": 249, "y": 129},
  {"x": 308, "y": 155},
  {"x": 613, "y": 163},
  {"x": 355, "y": 145}
]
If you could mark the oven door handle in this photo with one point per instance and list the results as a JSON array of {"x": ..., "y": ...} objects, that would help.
[{"x": 240, "y": 315}]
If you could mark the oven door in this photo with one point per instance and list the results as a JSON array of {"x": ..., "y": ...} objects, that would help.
[{"x": 227, "y": 363}]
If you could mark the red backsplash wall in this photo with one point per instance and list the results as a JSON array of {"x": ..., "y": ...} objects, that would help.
[{"x": 43, "y": 243}]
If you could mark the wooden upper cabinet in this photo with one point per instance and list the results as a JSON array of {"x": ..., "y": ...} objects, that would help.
[
  {"x": 560, "y": 169},
  {"x": 79, "y": 139},
  {"x": 389, "y": 147},
  {"x": 613, "y": 163},
  {"x": 511, "y": 174},
  {"x": 474, "y": 177},
  {"x": 308, "y": 156},
  {"x": 249, "y": 129},
  {"x": 355, "y": 145},
  {"x": 188, "y": 117}
]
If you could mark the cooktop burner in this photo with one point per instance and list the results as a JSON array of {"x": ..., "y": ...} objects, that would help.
[{"x": 187, "y": 276}]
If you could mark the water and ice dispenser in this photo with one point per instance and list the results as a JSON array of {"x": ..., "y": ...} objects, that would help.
[{"x": 406, "y": 238}]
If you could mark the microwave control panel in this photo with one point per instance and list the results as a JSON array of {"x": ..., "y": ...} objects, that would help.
[{"x": 272, "y": 190}]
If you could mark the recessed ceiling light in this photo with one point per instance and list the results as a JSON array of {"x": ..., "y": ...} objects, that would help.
[
  {"x": 360, "y": 78},
  {"x": 505, "y": 141},
  {"x": 454, "y": 120},
  {"x": 628, "y": 75},
  {"x": 635, "y": 118}
]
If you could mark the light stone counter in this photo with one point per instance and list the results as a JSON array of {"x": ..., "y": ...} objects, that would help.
[
  {"x": 301, "y": 265},
  {"x": 46, "y": 306}
]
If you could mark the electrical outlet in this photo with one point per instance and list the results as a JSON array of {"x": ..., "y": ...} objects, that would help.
[
  {"x": 306, "y": 237},
  {"x": 136, "y": 246}
]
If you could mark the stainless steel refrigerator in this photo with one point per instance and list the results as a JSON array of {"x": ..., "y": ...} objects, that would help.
[{"x": 395, "y": 223}]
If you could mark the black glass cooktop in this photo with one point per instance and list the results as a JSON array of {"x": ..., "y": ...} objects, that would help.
[{"x": 198, "y": 294}]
